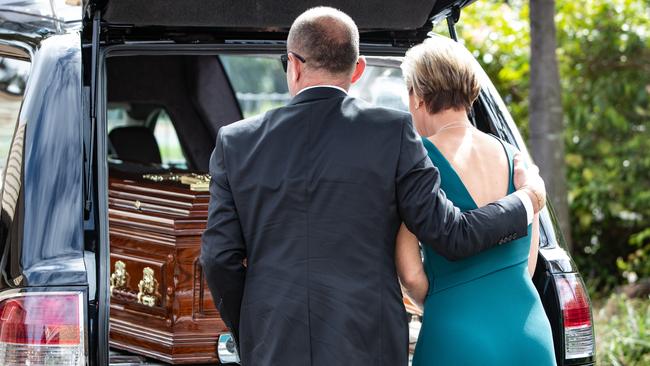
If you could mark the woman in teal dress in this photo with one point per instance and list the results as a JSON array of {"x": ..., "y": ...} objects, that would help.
[{"x": 483, "y": 310}]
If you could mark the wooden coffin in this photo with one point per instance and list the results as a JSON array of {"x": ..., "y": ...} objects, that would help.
[{"x": 160, "y": 303}]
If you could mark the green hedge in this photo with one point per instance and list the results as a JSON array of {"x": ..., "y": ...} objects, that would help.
[{"x": 622, "y": 328}]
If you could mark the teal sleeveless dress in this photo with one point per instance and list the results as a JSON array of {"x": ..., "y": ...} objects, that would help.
[{"x": 483, "y": 310}]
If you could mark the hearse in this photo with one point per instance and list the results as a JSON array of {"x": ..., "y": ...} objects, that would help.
[{"x": 109, "y": 111}]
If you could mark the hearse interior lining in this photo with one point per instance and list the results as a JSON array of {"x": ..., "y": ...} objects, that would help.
[{"x": 194, "y": 91}]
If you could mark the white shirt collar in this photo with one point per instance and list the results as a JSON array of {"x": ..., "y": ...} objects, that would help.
[{"x": 322, "y": 86}]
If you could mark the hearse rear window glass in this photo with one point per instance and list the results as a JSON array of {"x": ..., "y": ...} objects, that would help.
[
  {"x": 260, "y": 84},
  {"x": 13, "y": 78},
  {"x": 383, "y": 86},
  {"x": 155, "y": 119}
]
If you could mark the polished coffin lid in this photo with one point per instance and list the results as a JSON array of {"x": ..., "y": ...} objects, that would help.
[
  {"x": 167, "y": 207},
  {"x": 370, "y": 15}
]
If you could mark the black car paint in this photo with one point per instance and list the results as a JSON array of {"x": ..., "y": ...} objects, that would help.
[
  {"x": 52, "y": 187},
  {"x": 51, "y": 255},
  {"x": 57, "y": 119}
]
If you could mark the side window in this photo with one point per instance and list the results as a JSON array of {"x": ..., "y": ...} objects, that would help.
[
  {"x": 117, "y": 117},
  {"x": 13, "y": 78},
  {"x": 135, "y": 120},
  {"x": 170, "y": 147}
]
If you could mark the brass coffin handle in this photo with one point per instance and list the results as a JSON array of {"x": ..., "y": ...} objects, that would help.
[
  {"x": 148, "y": 293},
  {"x": 120, "y": 277}
]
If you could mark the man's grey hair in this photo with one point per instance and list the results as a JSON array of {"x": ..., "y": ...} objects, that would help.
[{"x": 327, "y": 38}]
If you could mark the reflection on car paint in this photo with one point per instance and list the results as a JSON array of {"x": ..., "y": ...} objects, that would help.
[{"x": 52, "y": 188}]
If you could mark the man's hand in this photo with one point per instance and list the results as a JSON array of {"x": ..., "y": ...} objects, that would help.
[{"x": 529, "y": 181}]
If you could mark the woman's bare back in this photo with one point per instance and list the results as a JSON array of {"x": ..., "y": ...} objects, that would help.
[{"x": 479, "y": 160}]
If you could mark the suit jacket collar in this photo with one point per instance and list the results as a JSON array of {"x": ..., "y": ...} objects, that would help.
[{"x": 316, "y": 93}]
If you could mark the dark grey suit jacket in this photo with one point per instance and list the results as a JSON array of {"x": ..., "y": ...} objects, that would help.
[{"x": 313, "y": 195}]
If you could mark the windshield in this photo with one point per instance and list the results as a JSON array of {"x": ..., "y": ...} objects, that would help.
[{"x": 65, "y": 10}]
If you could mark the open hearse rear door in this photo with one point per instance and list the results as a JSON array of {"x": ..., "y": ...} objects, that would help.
[{"x": 378, "y": 20}]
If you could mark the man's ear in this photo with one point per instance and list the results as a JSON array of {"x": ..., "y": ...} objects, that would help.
[
  {"x": 296, "y": 68},
  {"x": 358, "y": 69}
]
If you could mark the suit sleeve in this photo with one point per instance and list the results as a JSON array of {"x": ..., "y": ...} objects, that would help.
[
  {"x": 427, "y": 212},
  {"x": 223, "y": 249}
]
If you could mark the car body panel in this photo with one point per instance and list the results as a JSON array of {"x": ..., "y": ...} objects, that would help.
[{"x": 52, "y": 251}]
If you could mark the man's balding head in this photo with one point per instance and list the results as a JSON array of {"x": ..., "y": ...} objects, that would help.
[{"x": 327, "y": 38}]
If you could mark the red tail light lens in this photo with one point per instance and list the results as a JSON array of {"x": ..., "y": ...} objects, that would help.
[
  {"x": 41, "y": 329},
  {"x": 576, "y": 313},
  {"x": 40, "y": 319},
  {"x": 575, "y": 303}
]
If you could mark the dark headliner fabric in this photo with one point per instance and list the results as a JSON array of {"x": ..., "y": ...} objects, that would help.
[{"x": 370, "y": 15}]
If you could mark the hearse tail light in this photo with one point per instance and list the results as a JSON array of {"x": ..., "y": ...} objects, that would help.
[
  {"x": 576, "y": 316},
  {"x": 42, "y": 328}
]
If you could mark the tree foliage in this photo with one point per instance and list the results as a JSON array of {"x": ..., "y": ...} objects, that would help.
[{"x": 604, "y": 59}]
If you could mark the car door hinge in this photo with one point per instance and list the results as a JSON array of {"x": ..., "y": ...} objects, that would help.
[{"x": 94, "y": 72}]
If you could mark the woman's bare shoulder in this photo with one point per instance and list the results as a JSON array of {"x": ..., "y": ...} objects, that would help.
[
  {"x": 476, "y": 139},
  {"x": 494, "y": 143}
]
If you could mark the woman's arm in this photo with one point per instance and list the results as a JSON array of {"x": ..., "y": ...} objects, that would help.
[
  {"x": 409, "y": 266},
  {"x": 534, "y": 246}
]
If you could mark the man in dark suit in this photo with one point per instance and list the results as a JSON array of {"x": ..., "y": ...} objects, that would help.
[{"x": 312, "y": 195}]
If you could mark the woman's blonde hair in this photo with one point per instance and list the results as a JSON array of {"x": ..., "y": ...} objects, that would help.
[{"x": 441, "y": 72}]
